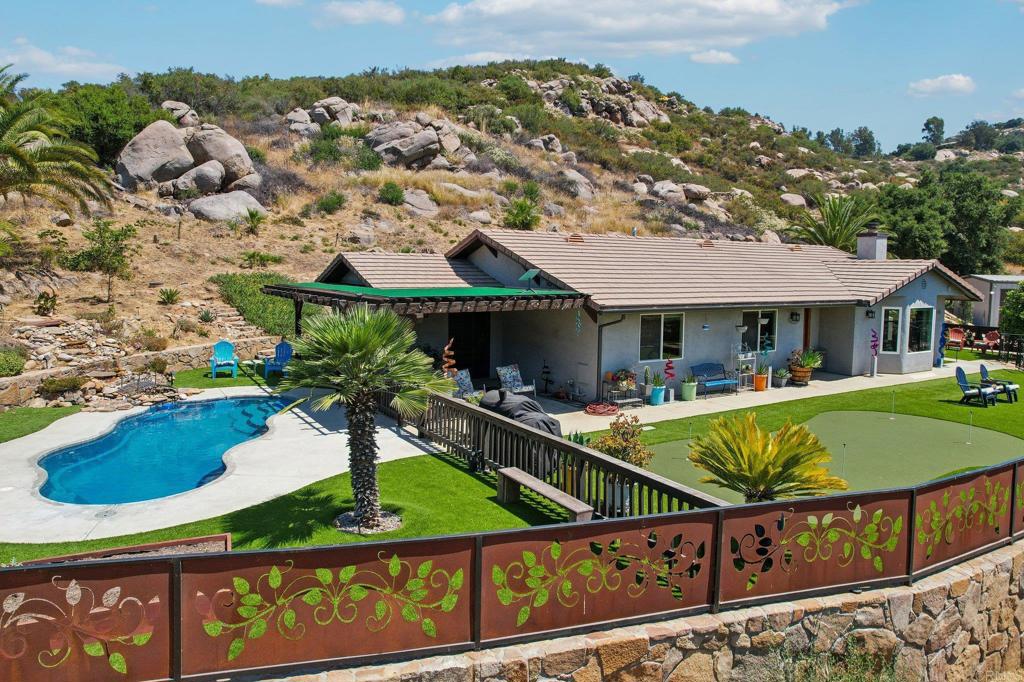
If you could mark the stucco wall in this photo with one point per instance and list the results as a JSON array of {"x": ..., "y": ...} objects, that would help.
[
  {"x": 529, "y": 338},
  {"x": 962, "y": 624}
]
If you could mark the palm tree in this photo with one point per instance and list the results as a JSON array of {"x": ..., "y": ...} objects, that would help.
[
  {"x": 762, "y": 465},
  {"x": 842, "y": 219},
  {"x": 347, "y": 360},
  {"x": 38, "y": 159}
]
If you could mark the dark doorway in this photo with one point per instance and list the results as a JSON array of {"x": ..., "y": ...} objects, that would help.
[{"x": 472, "y": 347}]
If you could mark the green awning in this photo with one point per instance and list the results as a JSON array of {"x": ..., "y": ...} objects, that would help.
[{"x": 432, "y": 292}]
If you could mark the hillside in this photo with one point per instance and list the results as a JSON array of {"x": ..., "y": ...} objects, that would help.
[{"x": 533, "y": 145}]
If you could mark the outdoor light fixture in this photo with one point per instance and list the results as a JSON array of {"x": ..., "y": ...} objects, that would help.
[
  {"x": 870, "y": 314},
  {"x": 794, "y": 317},
  {"x": 705, "y": 327},
  {"x": 741, "y": 328}
]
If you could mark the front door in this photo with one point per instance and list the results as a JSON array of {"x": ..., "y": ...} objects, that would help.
[{"x": 472, "y": 335}]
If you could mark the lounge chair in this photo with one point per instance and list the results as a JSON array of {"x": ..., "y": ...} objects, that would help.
[
  {"x": 279, "y": 363},
  {"x": 511, "y": 380},
  {"x": 971, "y": 392},
  {"x": 1007, "y": 388},
  {"x": 711, "y": 376},
  {"x": 464, "y": 387},
  {"x": 989, "y": 342},
  {"x": 223, "y": 358}
]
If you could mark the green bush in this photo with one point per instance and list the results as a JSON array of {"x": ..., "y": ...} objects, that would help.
[
  {"x": 169, "y": 296},
  {"x": 521, "y": 214},
  {"x": 531, "y": 191},
  {"x": 367, "y": 159},
  {"x": 922, "y": 151},
  {"x": 57, "y": 385},
  {"x": 570, "y": 98},
  {"x": 274, "y": 315},
  {"x": 259, "y": 259},
  {"x": 1014, "y": 248},
  {"x": 12, "y": 360},
  {"x": 515, "y": 89},
  {"x": 330, "y": 203},
  {"x": 158, "y": 365},
  {"x": 256, "y": 154},
  {"x": 325, "y": 150},
  {"x": 391, "y": 193}
]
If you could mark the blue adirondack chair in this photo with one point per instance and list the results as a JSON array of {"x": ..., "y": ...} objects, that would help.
[
  {"x": 986, "y": 394},
  {"x": 1007, "y": 388},
  {"x": 223, "y": 358},
  {"x": 278, "y": 363}
]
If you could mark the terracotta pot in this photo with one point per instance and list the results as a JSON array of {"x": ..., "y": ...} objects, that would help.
[
  {"x": 760, "y": 382},
  {"x": 608, "y": 376},
  {"x": 800, "y": 375}
]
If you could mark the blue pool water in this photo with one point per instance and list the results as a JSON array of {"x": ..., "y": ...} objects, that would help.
[{"x": 165, "y": 450}]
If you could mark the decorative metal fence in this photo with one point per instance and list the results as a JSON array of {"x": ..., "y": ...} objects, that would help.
[{"x": 207, "y": 616}]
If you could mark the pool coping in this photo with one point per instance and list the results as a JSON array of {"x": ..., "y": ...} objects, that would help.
[{"x": 312, "y": 444}]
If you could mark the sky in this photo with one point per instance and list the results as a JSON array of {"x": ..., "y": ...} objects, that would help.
[{"x": 886, "y": 64}]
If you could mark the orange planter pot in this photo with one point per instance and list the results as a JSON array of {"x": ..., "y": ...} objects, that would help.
[{"x": 760, "y": 382}]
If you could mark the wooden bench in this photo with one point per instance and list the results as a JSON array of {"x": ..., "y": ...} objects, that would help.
[{"x": 511, "y": 479}]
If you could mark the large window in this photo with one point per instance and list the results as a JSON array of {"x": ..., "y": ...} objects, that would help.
[
  {"x": 890, "y": 330},
  {"x": 762, "y": 328},
  {"x": 661, "y": 337},
  {"x": 919, "y": 330}
]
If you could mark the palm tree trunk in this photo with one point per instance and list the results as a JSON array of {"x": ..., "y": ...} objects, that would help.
[{"x": 362, "y": 457}]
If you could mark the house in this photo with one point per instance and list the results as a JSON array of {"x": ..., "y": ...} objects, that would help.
[
  {"x": 991, "y": 288},
  {"x": 586, "y": 304}
]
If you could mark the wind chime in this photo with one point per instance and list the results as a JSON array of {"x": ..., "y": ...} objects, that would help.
[{"x": 448, "y": 359}]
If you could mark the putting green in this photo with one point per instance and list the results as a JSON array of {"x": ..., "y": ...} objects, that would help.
[{"x": 880, "y": 452}]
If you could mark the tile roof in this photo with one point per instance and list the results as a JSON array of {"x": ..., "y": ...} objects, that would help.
[
  {"x": 407, "y": 270},
  {"x": 624, "y": 272}
]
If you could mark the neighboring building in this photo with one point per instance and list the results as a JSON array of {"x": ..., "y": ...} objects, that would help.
[
  {"x": 991, "y": 288},
  {"x": 587, "y": 304}
]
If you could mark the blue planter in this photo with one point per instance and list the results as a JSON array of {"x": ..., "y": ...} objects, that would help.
[{"x": 657, "y": 395}]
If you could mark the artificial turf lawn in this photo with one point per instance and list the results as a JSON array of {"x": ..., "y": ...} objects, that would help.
[
  {"x": 21, "y": 421},
  {"x": 248, "y": 375},
  {"x": 435, "y": 495}
]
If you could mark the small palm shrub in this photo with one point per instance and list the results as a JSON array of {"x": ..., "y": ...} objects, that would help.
[
  {"x": 623, "y": 442},
  {"x": 330, "y": 203},
  {"x": 390, "y": 193},
  {"x": 12, "y": 360},
  {"x": 169, "y": 296},
  {"x": 521, "y": 214},
  {"x": 842, "y": 219},
  {"x": 253, "y": 220},
  {"x": 207, "y": 316}
]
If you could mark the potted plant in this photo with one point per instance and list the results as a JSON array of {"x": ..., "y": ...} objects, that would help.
[
  {"x": 802, "y": 363},
  {"x": 761, "y": 378},
  {"x": 624, "y": 380},
  {"x": 657, "y": 389},
  {"x": 688, "y": 388},
  {"x": 781, "y": 377}
]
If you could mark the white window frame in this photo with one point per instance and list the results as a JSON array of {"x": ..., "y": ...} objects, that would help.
[
  {"x": 899, "y": 332},
  {"x": 661, "y": 336},
  {"x": 931, "y": 331},
  {"x": 775, "y": 330}
]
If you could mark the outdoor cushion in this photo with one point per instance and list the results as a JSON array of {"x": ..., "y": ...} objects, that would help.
[
  {"x": 464, "y": 384},
  {"x": 512, "y": 380}
]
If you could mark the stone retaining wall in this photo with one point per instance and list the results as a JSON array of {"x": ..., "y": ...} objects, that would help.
[
  {"x": 962, "y": 624},
  {"x": 20, "y": 389}
]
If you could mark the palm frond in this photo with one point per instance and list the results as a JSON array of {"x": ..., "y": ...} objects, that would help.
[{"x": 841, "y": 219}]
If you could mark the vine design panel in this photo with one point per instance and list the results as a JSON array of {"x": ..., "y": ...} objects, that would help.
[
  {"x": 956, "y": 518},
  {"x": 814, "y": 543},
  {"x": 271, "y": 609},
  {"x": 561, "y": 577}
]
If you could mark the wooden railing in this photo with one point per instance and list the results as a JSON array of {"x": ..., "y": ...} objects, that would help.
[{"x": 614, "y": 488}]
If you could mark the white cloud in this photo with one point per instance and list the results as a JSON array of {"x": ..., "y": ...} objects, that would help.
[
  {"x": 714, "y": 57},
  {"x": 362, "y": 12},
  {"x": 68, "y": 61},
  {"x": 609, "y": 28},
  {"x": 483, "y": 57},
  {"x": 279, "y": 3},
  {"x": 950, "y": 84}
]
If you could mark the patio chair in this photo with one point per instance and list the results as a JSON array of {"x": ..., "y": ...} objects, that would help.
[
  {"x": 1007, "y": 388},
  {"x": 971, "y": 392},
  {"x": 279, "y": 363},
  {"x": 223, "y": 358},
  {"x": 956, "y": 340},
  {"x": 464, "y": 387},
  {"x": 512, "y": 380},
  {"x": 989, "y": 342}
]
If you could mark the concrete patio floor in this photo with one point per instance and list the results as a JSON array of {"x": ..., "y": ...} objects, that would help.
[
  {"x": 573, "y": 418},
  {"x": 301, "y": 447}
]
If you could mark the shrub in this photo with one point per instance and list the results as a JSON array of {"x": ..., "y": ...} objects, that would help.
[
  {"x": 253, "y": 220},
  {"x": 515, "y": 89},
  {"x": 521, "y": 214},
  {"x": 623, "y": 442},
  {"x": 157, "y": 365},
  {"x": 256, "y": 154},
  {"x": 207, "y": 316},
  {"x": 185, "y": 325},
  {"x": 324, "y": 150},
  {"x": 330, "y": 203},
  {"x": 12, "y": 360},
  {"x": 45, "y": 304},
  {"x": 243, "y": 291},
  {"x": 391, "y": 193},
  {"x": 922, "y": 151},
  {"x": 367, "y": 159},
  {"x": 169, "y": 296},
  {"x": 508, "y": 187},
  {"x": 570, "y": 98},
  {"x": 531, "y": 191},
  {"x": 57, "y": 385},
  {"x": 277, "y": 181},
  {"x": 259, "y": 259}
]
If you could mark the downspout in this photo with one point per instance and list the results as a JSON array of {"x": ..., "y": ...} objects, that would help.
[{"x": 600, "y": 345}]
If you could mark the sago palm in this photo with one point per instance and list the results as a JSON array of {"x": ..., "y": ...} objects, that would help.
[
  {"x": 38, "y": 159},
  {"x": 763, "y": 465},
  {"x": 345, "y": 360},
  {"x": 842, "y": 219}
]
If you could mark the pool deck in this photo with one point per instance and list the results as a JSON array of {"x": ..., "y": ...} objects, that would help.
[
  {"x": 573, "y": 418},
  {"x": 300, "y": 447}
]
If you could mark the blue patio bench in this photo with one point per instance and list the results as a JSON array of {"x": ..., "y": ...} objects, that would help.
[{"x": 711, "y": 376}]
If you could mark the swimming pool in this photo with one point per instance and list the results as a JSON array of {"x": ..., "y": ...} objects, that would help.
[{"x": 167, "y": 449}]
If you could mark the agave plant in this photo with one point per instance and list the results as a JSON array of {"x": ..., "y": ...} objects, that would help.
[
  {"x": 842, "y": 219},
  {"x": 760, "y": 465},
  {"x": 37, "y": 157}
]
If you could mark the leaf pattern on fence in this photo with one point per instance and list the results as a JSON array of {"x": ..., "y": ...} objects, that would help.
[
  {"x": 287, "y": 600},
  {"x": 78, "y": 622},
  {"x": 941, "y": 525},
  {"x": 863, "y": 535},
  {"x": 530, "y": 582}
]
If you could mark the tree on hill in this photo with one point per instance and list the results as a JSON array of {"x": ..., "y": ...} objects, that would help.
[
  {"x": 863, "y": 142},
  {"x": 979, "y": 135},
  {"x": 839, "y": 142},
  {"x": 110, "y": 252},
  {"x": 934, "y": 130}
]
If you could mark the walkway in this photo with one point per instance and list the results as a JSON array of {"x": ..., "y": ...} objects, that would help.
[
  {"x": 300, "y": 448},
  {"x": 572, "y": 418}
]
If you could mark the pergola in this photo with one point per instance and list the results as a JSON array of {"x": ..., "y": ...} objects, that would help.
[{"x": 423, "y": 301}]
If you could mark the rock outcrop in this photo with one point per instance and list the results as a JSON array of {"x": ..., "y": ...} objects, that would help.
[
  {"x": 157, "y": 154},
  {"x": 185, "y": 115},
  {"x": 328, "y": 111},
  {"x": 210, "y": 143},
  {"x": 419, "y": 143},
  {"x": 230, "y": 206}
]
